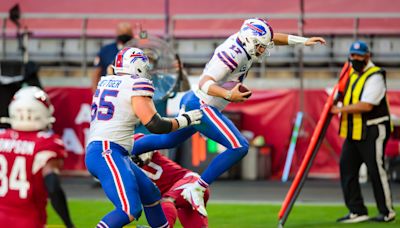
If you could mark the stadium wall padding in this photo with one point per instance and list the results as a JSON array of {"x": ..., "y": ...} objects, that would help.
[{"x": 270, "y": 113}]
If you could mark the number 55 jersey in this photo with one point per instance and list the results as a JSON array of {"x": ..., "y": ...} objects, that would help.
[
  {"x": 112, "y": 116},
  {"x": 23, "y": 195}
]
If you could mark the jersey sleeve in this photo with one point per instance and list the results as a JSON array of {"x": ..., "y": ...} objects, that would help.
[
  {"x": 51, "y": 147},
  {"x": 55, "y": 144},
  {"x": 142, "y": 87},
  {"x": 224, "y": 62}
]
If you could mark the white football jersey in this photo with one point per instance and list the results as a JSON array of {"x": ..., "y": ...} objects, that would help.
[
  {"x": 230, "y": 62},
  {"x": 113, "y": 118}
]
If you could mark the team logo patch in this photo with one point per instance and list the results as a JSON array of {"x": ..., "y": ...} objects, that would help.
[
  {"x": 257, "y": 30},
  {"x": 136, "y": 56},
  {"x": 106, "y": 152}
]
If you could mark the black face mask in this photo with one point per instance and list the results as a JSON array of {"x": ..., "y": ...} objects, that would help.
[
  {"x": 124, "y": 38},
  {"x": 358, "y": 65}
]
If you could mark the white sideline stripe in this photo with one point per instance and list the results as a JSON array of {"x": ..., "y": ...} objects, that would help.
[{"x": 379, "y": 161}]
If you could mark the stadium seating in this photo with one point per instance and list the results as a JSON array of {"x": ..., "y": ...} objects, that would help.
[
  {"x": 386, "y": 50},
  {"x": 196, "y": 51},
  {"x": 57, "y": 31}
]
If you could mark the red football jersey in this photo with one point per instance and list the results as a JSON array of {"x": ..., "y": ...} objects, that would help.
[
  {"x": 22, "y": 158},
  {"x": 164, "y": 172}
]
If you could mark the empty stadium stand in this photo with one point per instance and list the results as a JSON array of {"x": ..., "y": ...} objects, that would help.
[{"x": 68, "y": 35}]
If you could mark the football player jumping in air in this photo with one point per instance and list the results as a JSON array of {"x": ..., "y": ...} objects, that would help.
[
  {"x": 171, "y": 179},
  {"x": 231, "y": 62},
  {"x": 119, "y": 102},
  {"x": 31, "y": 156}
]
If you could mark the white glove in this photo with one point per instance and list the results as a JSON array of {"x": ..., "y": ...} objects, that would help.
[{"x": 188, "y": 118}]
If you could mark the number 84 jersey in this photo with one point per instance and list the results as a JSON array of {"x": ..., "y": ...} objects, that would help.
[
  {"x": 112, "y": 116},
  {"x": 22, "y": 158}
]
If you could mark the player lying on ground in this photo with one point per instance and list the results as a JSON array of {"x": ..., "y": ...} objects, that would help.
[
  {"x": 119, "y": 102},
  {"x": 31, "y": 156},
  {"x": 171, "y": 178},
  {"x": 231, "y": 62}
]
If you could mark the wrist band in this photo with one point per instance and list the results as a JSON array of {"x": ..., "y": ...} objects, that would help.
[
  {"x": 293, "y": 40},
  {"x": 206, "y": 85}
]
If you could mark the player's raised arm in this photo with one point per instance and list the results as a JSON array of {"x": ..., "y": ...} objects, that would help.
[{"x": 286, "y": 39}]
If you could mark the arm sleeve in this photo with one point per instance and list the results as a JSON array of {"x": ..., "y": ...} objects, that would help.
[
  {"x": 57, "y": 198},
  {"x": 374, "y": 90},
  {"x": 142, "y": 87}
]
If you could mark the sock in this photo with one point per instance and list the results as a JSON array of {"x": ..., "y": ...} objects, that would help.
[
  {"x": 164, "y": 141},
  {"x": 170, "y": 212},
  {"x": 155, "y": 216},
  {"x": 116, "y": 218},
  {"x": 222, "y": 163}
]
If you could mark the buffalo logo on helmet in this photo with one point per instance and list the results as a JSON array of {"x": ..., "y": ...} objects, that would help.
[
  {"x": 138, "y": 55},
  {"x": 258, "y": 30}
]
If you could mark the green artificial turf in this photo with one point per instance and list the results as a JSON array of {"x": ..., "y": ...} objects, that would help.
[{"x": 86, "y": 213}]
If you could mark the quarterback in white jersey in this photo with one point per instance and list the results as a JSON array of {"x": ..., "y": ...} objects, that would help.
[
  {"x": 231, "y": 62},
  {"x": 119, "y": 102}
]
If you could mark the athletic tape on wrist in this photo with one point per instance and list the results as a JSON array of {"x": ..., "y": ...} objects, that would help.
[
  {"x": 206, "y": 85},
  {"x": 182, "y": 121},
  {"x": 187, "y": 118},
  {"x": 293, "y": 40}
]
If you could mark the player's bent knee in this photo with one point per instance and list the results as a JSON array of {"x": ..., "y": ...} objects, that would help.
[
  {"x": 243, "y": 149},
  {"x": 153, "y": 196},
  {"x": 135, "y": 213}
]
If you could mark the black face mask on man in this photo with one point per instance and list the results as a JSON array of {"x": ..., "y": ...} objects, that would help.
[
  {"x": 358, "y": 65},
  {"x": 124, "y": 38}
]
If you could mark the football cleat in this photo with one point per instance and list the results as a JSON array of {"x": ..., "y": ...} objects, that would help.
[
  {"x": 194, "y": 194},
  {"x": 353, "y": 218},
  {"x": 384, "y": 218}
]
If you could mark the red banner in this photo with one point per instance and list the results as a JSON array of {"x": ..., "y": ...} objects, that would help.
[
  {"x": 272, "y": 114},
  {"x": 72, "y": 113},
  {"x": 268, "y": 113}
]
